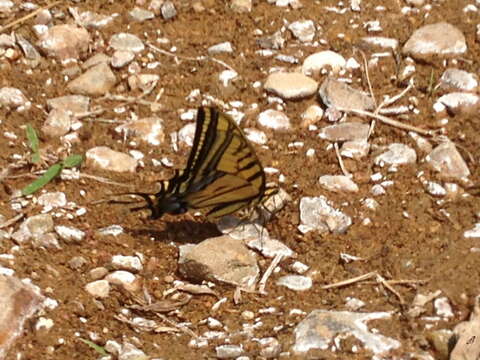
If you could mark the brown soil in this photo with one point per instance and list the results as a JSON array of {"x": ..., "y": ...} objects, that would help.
[{"x": 426, "y": 246}]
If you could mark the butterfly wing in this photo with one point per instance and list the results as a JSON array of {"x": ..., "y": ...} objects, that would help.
[{"x": 223, "y": 172}]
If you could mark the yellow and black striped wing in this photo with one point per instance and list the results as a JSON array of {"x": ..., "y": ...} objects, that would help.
[{"x": 223, "y": 173}]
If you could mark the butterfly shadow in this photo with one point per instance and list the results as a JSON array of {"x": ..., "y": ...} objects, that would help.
[{"x": 182, "y": 232}]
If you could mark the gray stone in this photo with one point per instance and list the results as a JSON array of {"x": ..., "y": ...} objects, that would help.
[
  {"x": 18, "y": 301},
  {"x": 58, "y": 123},
  {"x": 303, "y": 30},
  {"x": 274, "y": 119},
  {"x": 320, "y": 327},
  {"x": 126, "y": 42},
  {"x": 102, "y": 157},
  {"x": 140, "y": 15},
  {"x": 338, "y": 183},
  {"x": 234, "y": 263},
  {"x": 168, "y": 10},
  {"x": 65, "y": 42},
  {"x": 317, "y": 214},
  {"x": 224, "y": 47},
  {"x": 290, "y": 86},
  {"x": 327, "y": 59},
  {"x": 435, "y": 40},
  {"x": 467, "y": 346},
  {"x": 339, "y": 95},
  {"x": 446, "y": 159},
  {"x": 458, "y": 80},
  {"x": 77, "y": 104},
  {"x": 345, "y": 131},
  {"x": 70, "y": 234},
  {"x": 295, "y": 282},
  {"x": 397, "y": 154},
  {"x": 12, "y": 98},
  {"x": 98, "y": 289},
  {"x": 97, "y": 80},
  {"x": 149, "y": 130}
]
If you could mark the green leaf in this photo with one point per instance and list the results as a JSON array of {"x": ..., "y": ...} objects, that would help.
[
  {"x": 50, "y": 174},
  {"x": 97, "y": 348},
  {"x": 72, "y": 161},
  {"x": 33, "y": 143}
]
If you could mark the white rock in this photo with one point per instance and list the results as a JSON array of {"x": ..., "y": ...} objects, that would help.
[
  {"x": 228, "y": 351},
  {"x": 120, "y": 58},
  {"x": 457, "y": 102},
  {"x": 224, "y": 47},
  {"x": 317, "y": 214},
  {"x": 256, "y": 136},
  {"x": 473, "y": 233},
  {"x": 105, "y": 158},
  {"x": 337, "y": 94},
  {"x": 338, "y": 183},
  {"x": 320, "y": 327},
  {"x": 433, "y": 40},
  {"x": 131, "y": 263},
  {"x": 274, "y": 119},
  {"x": 53, "y": 199},
  {"x": 120, "y": 277},
  {"x": 290, "y": 86},
  {"x": 126, "y": 42},
  {"x": 98, "y": 289},
  {"x": 446, "y": 159},
  {"x": 69, "y": 234},
  {"x": 322, "y": 60},
  {"x": 303, "y": 30},
  {"x": 12, "y": 98},
  {"x": 397, "y": 154},
  {"x": 458, "y": 80},
  {"x": 295, "y": 282},
  {"x": 150, "y": 130}
]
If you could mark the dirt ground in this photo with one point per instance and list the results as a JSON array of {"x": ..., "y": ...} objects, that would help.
[{"x": 427, "y": 245}]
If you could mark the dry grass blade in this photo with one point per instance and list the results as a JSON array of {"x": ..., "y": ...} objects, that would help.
[
  {"x": 263, "y": 282},
  {"x": 163, "y": 306},
  {"x": 351, "y": 281},
  {"x": 178, "y": 326},
  {"x": 12, "y": 221}
]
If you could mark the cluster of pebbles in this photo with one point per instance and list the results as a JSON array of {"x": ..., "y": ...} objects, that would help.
[{"x": 100, "y": 68}]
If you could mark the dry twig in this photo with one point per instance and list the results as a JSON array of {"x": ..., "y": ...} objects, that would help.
[
  {"x": 188, "y": 58},
  {"x": 29, "y": 16},
  {"x": 340, "y": 161},
  {"x": 263, "y": 282}
]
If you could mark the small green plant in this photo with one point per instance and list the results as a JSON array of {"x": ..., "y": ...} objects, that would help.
[
  {"x": 100, "y": 349},
  {"x": 53, "y": 171},
  {"x": 33, "y": 143}
]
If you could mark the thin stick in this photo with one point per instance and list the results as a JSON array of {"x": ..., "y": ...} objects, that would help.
[
  {"x": 395, "y": 98},
  {"x": 11, "y": 221},
  {"x": 263, "y": 282},
  {"x": 102, "y": 180},
  {"x": 367, "y": 75},
  {"x": 351, "y": 281},
  {"x": 188, "y": 58},
  {"x": 178, "y": 326},
  {"x": 340, "y": 161},
  {"x": 390, "y": 122},
  {"x": 88, "y": 113},
  {"x": 26, "y": 17},
  {"x": 387, "y": 286}
]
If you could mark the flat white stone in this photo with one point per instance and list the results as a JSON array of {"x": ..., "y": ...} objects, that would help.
[
  {"x": 290, "y": 86},
  {"x": 338, "y": 183},
  {"x": 295, "y": 282},
  {"x": 274, "y": 119},
  {"x": 322, "y": 60}
]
